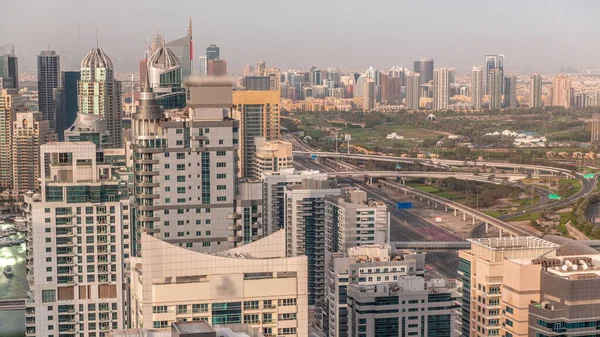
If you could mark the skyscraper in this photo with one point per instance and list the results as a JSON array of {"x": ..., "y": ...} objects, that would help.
[
  {"x": 213, "y": 52},
  {"x": 69, "y": 81},
  {"x": 48, "y": 67},
  {"x": 100, "y": 94},
  {"x": 9, "y": 101},
  {"x": 216, "y": 67},
  {"x": 441, "y": 89},
  {"x": 166, "y": 77},
  {"x": 394, "y": 90},
  {"x": 476, "y": 91},
  {"x": 369, "y": 95},
  {"x": 258, "y": 114},
  {"x": 412, "y": 91},
  {"x": 493, "y": 62},
  {"x": 535, "y": 91},
  {"x": 510, "y": 91},
  {"x": 9, "y": 68},
  {"x": 305, "y": 229},
  {"x": 196, "y": 174},
  {"x": 30, "y": 131},
  {"x": 425, "y": 68},
  {"x": 495, "y": 86},
  {"x": 183, "y": 48},
  {"x": 561, "y": 91}
]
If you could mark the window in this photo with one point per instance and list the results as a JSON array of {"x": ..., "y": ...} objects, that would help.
[
  {"x": 167, "y": 166},
  {"x": 180, "y": 167},
  {"x": 180, "y": 222},
  {"x": 180, "y": 189},
  {"x": 268, "y": 318},
  {"x": 205, "y": 244},
  {"x": 180, "y": 200},
  {"x": 198, "y": 222},
  {"x": 166, "y": 224},
  {"x": 287, "y": 317},
  {"x": 178, "y": 131},
  {"x": 207, "y": 221},
  {"x": 221, "y": 175},
  {"x": 221, "y": 153},
  {"x": 221, "y": 187},
  {"x": 181, "y": 156},
  {"x": 251, "y": 319},
  {"x": 208, "y": 233},
  {"x": 167, "y": 177},
  {"x": 167, "y": 234},
  {"x": 509, "y": 309},
  {"x": 160, "y": 324},
  {"x": 287, "y": 331},
  {"x": 199, "y": 233},
  {"x": 287, "y": 302},
  {"x": 268, "y": 304},
  {"x": 222, "y": 198},
  {"x": 221, "y": 164},
  {"x": 48, "y": 296},
  {"x": 180, "y": 179},
  {"x": 160, "y": 309},
  {"x": 220, "y": 141},
  {"x": 197, "y": 308},
  {"x": 182, "y": 309},
  {"x": 251, "y": 305},
  {"x": 180, "y": 234}
]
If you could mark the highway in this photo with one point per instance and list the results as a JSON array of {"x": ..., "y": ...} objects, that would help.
[{"x": 404, "y": 225}]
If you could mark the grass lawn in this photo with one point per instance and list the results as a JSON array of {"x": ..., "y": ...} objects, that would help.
[
  {"x": 526, "y": 203},
  {"x": 527, "y": 217},
  {"x": 562, "y": 228},
  {"x": 314, "y": 133},
  {"x": 575, "y": 183},
  {"x": 450, "y": 195},
  {"x": 428, "y": 189},
  {"x": 495, "y": 214}
]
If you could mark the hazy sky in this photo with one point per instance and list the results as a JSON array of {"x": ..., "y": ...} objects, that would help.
[{"x": 535, "y": 35}]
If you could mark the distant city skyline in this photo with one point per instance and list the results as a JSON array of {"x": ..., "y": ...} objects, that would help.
[{"x": 455, "y": 34}]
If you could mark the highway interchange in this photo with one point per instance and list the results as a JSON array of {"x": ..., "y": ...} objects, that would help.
[{"x": 407, "y": 226}]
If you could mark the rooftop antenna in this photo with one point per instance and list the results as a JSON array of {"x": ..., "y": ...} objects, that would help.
[{"x": 96, "y": 38}]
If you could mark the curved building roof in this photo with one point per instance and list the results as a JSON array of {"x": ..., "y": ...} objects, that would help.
[
  {"x": 163, "y": 58},
  {"x": 96, "y": 58},
  {"x": 569, "y": 246}
]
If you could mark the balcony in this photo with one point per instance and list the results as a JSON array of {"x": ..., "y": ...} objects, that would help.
[
  {"x": 146, "y": 161},
  {"x": 147, "y": 184},
  {"x": 199, "y": 137},
  {"x": 256, "y": 215},
  {"x": 147, "y": 173},
  {"x": 234, "y": 216},
  {"x": 234, "y": 227},
  {"x": 234, "y": 238},
  {"x": 148, "y": 218}
]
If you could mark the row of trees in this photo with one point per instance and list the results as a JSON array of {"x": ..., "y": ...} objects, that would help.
[{"x": 580, "y": 220}]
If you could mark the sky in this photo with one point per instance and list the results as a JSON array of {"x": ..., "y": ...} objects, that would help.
[{"x": 535, "y": 35}]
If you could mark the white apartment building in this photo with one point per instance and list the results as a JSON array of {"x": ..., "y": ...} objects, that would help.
[
  {"x": 273, "y": 194},
  {"x": 254, "y": 284},
  {"x": 305, "y": 229},
  {"x": 185, "y": 167},
  {"x": 352, "y": 220},
  {"x": 274, "y": 155},
  {"x": 364, "y": 265},
  {"x": 77, "y": 237}
]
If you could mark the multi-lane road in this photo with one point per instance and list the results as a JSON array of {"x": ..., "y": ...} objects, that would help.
[{"x": 404, "y": 225}]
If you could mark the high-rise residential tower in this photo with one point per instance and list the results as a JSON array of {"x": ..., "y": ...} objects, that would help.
[
  {"x": 75, "y": 244},
  {"x": 305, "y": 229},
  {"x": 510, "y": 91},
  {"x": 216, "y": 67},
  {"x": 561, "y": 91},
  {"x": 185, "y": 162},
  {"x": 412, "y": 91},
  {"x": 9, "y": 101},
  {"x": 166, "y": 77},
  {"x": 100, "y": 94},
  {"x": 425, "y": 68},
  {"x": 495, "y": 88},
  {"x": 258, "y": 114},
  {"x": 535, "y": 91},
  {"x": 476, "y": 91},
  {"x": 30, "y": 131},
  {"x": 441, "y": 89},
  {"x": 48, "y": 67},
  {"x": 369, "y": 95},
  {"x": 493, "y": 62}
]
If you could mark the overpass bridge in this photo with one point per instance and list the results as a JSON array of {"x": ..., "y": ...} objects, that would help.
[
  {"x": 535, "y": 169},
  {"x": 441, "y": 246},
  {"x": 458, "y": 208},
  {"x": 8, "y": 304}
]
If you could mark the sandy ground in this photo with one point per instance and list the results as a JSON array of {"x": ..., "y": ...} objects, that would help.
[{"x": 575, "y": 233}]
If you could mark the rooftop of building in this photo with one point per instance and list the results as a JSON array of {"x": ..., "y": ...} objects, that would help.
[
  {"x": 405, "y": 284},
  {"x": 96, "y": 58},
  {"x": 194, "y": 328},
  {"x": 516, "y": 243},
  {"x": 570, "y": 246}
]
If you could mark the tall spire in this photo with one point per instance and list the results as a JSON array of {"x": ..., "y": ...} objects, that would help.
[{"x": 190, "y": 28}]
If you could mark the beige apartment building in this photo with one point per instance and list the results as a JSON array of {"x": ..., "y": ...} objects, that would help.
[
  {"x": 30, "y": 131},
  {"x": 482, "y": 268},
  {"x": 8, "y": 102},
  {"x": 273, "y": 156},
  {"x": 254, "y": 284}
]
